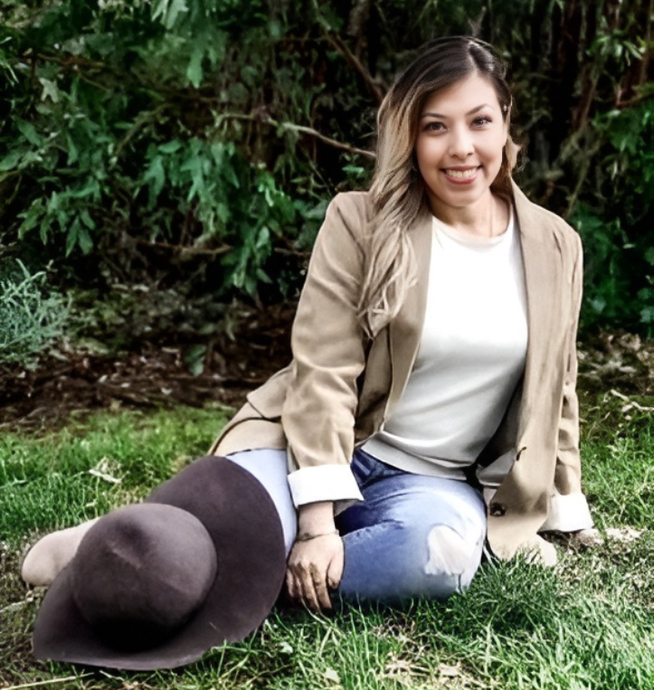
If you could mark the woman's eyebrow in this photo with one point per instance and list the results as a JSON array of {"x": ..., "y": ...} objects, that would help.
[{"x": 470, "y": 112}]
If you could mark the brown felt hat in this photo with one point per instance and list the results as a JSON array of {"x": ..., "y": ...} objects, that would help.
[{"x": 156, "y": 584}]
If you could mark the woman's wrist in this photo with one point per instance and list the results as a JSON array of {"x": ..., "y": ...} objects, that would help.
[
  {"x": 315, "y": 519},
  {"x": 307, "y": 536}
]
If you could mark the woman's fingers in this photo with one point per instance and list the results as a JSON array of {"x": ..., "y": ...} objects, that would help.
[
  {"x": 301, "y": 587},
  {"x": 310, "y": 587},
  {"x": 321, "y": 592},
  {"x": 291, "y": 584},
  {"x": 308, "y": 583},
  {"x": 335, "y": 570},
  {"x": 308, "y": 575}
]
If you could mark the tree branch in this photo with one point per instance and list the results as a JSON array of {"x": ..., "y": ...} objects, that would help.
[
  {"x": 187, "y": 250},
  {"x": 290, "y": 126},
  {"x": 373, "y": 87},
  {"x": 642, "y": 77},
  {"x": 635, "y": 100},
  {"x": 321, "y": 137},
  {"x": 141, "y": 120}
]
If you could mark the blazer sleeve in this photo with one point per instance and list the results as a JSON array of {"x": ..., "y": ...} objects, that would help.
[
  {"x": 568, "y": 507},
  {"x": 328, "y": 343}
]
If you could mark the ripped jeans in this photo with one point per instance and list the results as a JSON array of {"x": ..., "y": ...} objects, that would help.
[{"x": 412, "y": 536}]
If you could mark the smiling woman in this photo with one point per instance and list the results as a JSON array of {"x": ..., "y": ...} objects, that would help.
[
  {"x": 459, "y": 151},
  {"x": 430, "y": 407}
]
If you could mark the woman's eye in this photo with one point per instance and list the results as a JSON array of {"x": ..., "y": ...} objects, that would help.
[
  {"x": 433, "y": 127},
  {"x": 481, "y": 121}
]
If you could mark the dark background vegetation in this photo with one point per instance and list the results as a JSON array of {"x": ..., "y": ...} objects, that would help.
[{"x": 164, "y": 161}]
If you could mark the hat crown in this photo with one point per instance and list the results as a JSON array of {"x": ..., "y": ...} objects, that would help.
[{"x": 141, "y": 572}]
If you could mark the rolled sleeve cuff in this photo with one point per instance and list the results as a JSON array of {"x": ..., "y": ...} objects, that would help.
[
  {"x": 324, "y": 483},
  {"x": 568, "y": 513}
]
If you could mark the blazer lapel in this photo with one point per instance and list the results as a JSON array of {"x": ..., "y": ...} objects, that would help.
[
  {"x": 406, "y": 329},
  {"x": 542, "y": 269}
]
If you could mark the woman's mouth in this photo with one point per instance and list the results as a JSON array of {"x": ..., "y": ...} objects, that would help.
[{"x": 461, "y": 176}]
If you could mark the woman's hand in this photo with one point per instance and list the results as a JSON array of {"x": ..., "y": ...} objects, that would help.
[
  {"x": 316, "y": 562},
  {"x": 315, "y": 567}
]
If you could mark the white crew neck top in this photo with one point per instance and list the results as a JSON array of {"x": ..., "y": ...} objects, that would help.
[{"x": 471, "y": 356}]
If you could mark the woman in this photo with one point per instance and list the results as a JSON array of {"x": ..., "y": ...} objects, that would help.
[
  {"x": 430, "y": 407},
  {"x": 434, "y": 355}
]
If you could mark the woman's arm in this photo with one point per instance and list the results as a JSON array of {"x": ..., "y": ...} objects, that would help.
[
  {"x": 318, "y": 414},
  {"x": 328, "y": 343},
  {"x": 569, "y": 509}
]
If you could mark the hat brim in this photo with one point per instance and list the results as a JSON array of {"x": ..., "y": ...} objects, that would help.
[{"x": 244, "y": 525}]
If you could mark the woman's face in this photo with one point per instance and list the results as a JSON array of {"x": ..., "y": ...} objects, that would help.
[{"x": 461, "y": 136}]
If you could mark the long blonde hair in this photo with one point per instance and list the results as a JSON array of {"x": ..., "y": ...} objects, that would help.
[{"x": 397, "y": 190}]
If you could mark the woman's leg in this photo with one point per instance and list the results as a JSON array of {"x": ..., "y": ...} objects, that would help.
[
  {"x": 53, "y": 552},
  {"x": 270, "y": 467},
  {"x": 412, "y": 536}
]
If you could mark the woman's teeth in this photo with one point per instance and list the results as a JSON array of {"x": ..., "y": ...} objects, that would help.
[{"x": 461, "y": 174}]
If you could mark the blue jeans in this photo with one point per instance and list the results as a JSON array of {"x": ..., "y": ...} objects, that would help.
[{"x": 412, "y": 536}]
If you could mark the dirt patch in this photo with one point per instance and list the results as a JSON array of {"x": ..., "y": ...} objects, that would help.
[
  {"x": 79, "y": 383},
  {"x": 620, "y": 362}
]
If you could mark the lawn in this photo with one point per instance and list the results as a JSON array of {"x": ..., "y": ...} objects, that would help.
[{"x": 586, "y": 624}]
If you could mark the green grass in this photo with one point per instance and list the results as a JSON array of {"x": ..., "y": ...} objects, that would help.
[
  {"x": 586, "y": 624},
  {"x": 85, "y": 470}
]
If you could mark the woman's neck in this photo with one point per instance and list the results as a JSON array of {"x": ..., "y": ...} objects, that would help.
[{"x": 488, "y": 217}]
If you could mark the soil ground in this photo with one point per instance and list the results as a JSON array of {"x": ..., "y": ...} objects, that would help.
[
  {"x": 77, "y": 383},
  {"x": 616, "y": 379}
]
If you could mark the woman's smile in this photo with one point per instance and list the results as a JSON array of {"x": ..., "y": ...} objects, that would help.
[{"x": 461, "y": 175}]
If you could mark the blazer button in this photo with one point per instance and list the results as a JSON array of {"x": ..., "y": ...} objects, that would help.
[{"x": 497, "y": 509}]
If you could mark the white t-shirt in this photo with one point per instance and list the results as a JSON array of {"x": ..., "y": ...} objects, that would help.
[{"x": 472, "y": 354}]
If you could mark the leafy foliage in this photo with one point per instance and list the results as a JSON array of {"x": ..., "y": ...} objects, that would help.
[
  {"x": 617, "y": 232},
  {"x": 115, "y": 153},
  {"x": 192, "y": 145},
  {"x": 29, "y": 319}
]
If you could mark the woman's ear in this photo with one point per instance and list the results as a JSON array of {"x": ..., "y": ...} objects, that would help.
[
  {"x": 507, "y": 123},
  {"x": 511, "y": 151}
]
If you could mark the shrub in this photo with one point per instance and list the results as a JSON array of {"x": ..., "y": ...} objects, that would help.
[
  {"x": 195, "y": 143},
  {"x": 31, "y": 318}
]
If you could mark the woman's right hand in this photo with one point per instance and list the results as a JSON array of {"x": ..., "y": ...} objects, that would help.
[
  {"x": 314, "y": 567},
  {"x": 316, "y": 562}
]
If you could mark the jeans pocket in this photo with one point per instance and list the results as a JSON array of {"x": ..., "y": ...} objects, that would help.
[{"x": 367, "y": 469}]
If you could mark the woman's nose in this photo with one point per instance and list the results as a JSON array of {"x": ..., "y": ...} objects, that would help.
[{"x": 461, "y": 145}]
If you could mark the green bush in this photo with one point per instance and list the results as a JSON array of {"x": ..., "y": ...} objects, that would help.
[
  {"x": 617, "y": 229},
  {"x": 31, "y": 318},
  {"x": 192, "y": 145}
]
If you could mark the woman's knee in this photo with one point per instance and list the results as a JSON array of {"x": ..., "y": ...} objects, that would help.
[
  {"x": 407, "y": 559},
  {"x": 450, "y": 553},
  {"x": 443, "y": 553},
  {"x": 446, "y": 539}
]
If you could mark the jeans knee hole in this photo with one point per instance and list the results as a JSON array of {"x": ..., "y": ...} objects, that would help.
[{"x": 447, "y": 552}]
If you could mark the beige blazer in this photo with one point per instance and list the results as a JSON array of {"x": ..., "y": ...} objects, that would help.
[{"x": 341, "y": 385}]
